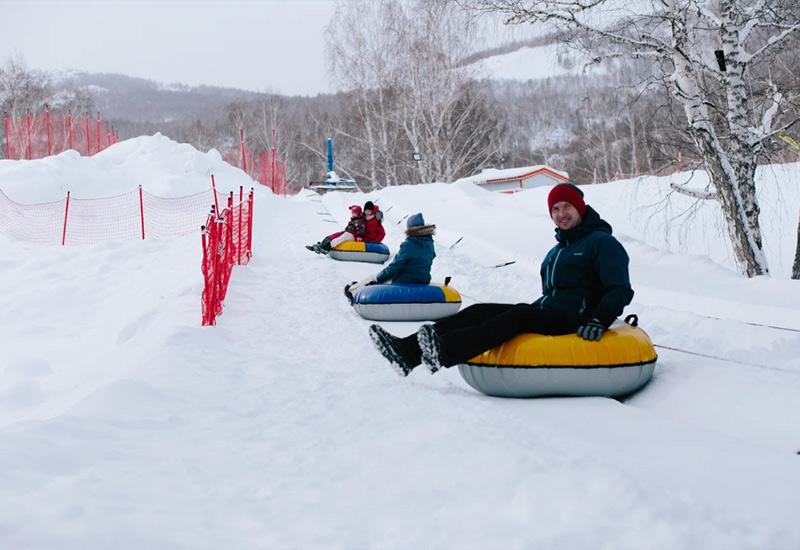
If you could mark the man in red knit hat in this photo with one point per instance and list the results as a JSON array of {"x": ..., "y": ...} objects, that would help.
[{"x": 585, "y": 286}]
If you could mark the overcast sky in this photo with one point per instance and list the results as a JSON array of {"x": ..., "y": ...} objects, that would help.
[{"x": 260, "y": 45}]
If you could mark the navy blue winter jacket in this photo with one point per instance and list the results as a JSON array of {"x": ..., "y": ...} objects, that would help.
[
  {"x": 586, "y": 274},
  {"x": 412, "y": 264}
]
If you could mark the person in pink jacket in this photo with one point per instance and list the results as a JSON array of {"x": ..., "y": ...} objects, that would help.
[{"x": 354, "y": 231}]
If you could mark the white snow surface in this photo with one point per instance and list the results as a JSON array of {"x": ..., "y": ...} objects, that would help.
[{"x": 125, "y": 424}]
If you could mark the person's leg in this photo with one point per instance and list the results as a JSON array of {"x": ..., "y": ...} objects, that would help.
[
  {"x": 405, "y": 353},
  {"x": 461, "y": 344},
  {"x": 470, "y": 316},
  {"x": 323, "y": 246},
  {"x": 345, "y": 236}
]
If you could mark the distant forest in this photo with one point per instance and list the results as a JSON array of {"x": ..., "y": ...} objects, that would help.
[{"x": 409, "y": 88}]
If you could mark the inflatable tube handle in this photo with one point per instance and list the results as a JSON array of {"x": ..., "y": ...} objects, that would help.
[
  {"x": 447, "y": 280},
  {"x": 632, "y": 320}
]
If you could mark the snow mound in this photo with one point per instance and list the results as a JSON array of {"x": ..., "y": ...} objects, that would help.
[{"x": 160, "y": 165}]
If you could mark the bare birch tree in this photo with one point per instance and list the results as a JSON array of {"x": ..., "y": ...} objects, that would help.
[
  {"x": 399, "y": 61},
  {"x": 728, "y": 122}
]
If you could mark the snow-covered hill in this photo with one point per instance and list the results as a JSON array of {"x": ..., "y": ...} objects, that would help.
[{"x": 125, "y": 424}]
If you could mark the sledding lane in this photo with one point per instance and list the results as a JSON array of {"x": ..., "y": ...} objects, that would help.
[
  {"x": 371, "y": 453},
  {"x": 125, "y": 424}
]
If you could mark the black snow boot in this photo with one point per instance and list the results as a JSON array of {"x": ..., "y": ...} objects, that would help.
[
  {"x": 324, "y": 246},
  {"x": 430, "y": 344},
  {"x": 392, "y": 348},
  {"x": 347, "y": 292},
  {"x": 312, "y": 247}
]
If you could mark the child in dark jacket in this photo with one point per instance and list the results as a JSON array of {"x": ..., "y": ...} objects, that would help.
[
  {"x": 412, "y": 263},
  {"x": 373, "y": 218},
  {"x": 353, "y": 231}
]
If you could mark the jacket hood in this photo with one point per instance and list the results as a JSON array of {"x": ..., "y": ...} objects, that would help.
[
  {"x": 421, "y": 230},
  {"x": 590, "y": 222}
]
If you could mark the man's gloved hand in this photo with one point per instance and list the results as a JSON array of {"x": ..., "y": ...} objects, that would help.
[
  {"x": 361, "y": 284},
  {"x": 591, "y": 330}
]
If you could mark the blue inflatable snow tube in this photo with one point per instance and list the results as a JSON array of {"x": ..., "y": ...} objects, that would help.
[
  {"x": 406, "y": 302},
  {"x": 360, "y": 251}
]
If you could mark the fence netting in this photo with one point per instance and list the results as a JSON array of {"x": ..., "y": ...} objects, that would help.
[
  {"x": 133, "y": 215},
  {"x": 36, "y": 136},
  {"x": 227, "y": 241}
]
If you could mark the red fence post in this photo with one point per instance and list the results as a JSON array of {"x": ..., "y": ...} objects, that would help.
[
  {"x": 239, "y": 237},
  {"x": 285, "y": 159},
  {"x": 99, "y": 129},
  {"x": 214, "y": 187},
  {"x": 214, "y": 279},
  {"x": 273, "y": 161},
  {"x": 204, "y": 297},
  {"x": 7, "y": 131},
  {"x": 69, "y": 128},
  {"x": 66, "y": 213},
  {"x": 244, "y": 156},
  {"x": 47, "y": 123},
  {"x": 141, "y": 210},
  {"x": 29, "y": 155},
  {"x": 88, "y": 137},
  {"x": 250, "y": 225}
]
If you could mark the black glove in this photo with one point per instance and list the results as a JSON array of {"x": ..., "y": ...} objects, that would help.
[{"x": 591, "y": 330}]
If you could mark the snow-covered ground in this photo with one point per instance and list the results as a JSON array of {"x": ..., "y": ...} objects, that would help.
[{"x": 124, "y": 424}]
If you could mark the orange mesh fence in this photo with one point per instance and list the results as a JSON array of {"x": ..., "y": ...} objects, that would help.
[
  {"x": 133, "y": 215},
  {"x": 37, "y": 136},
  {"x": 227, "y": 241}
]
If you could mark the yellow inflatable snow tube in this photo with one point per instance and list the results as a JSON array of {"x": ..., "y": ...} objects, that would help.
[{"x": 532, "y": 365}]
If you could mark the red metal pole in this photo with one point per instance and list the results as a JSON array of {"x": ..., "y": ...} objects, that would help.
[
  {"x": 30, "y": 155},
  {"x": 250, "y": 225},
  {"x": 214, "y": 187},
  {"x": 66, "y": 213},
  {"x": 244, "y": 157},
  {"x": 213, "y": 237},
  {"x": 6, "y": 125},
  {"x": 274, "y": 161},
  {"x": 204, "y": 297},
  {"x": 88, "y": 137},
  {"x": 47, "y": 123},
  {"x": 69, "y": 128},
  {"x": 141, "y": 210},
  {"x": 239, "y": 237},
  {"x": 99, "y": 129}
]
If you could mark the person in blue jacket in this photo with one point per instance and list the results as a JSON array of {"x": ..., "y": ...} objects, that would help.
[
  {"x": 412, "y": 263},
  {"x": 585, "y": 286}
]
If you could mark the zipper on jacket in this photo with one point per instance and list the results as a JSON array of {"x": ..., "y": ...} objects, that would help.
[{"x": 553, "y": 272}]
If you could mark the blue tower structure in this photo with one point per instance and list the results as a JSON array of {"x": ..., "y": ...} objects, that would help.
[{"x": 333, "y": 182}]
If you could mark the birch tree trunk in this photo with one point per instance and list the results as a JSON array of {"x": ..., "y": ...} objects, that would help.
[{"x": 727, "y": 129}]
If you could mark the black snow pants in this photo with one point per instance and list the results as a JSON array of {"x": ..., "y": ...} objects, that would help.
[{"x": 481, "y": 327}]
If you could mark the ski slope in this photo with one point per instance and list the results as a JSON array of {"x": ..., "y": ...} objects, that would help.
[{"x": 125, "y": 424}]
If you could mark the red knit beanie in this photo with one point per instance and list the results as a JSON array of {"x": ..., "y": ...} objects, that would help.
[{"x": 569, "y": 193}]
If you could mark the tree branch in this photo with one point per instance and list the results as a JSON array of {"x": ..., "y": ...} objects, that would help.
[{"x": 694, "y": 193}]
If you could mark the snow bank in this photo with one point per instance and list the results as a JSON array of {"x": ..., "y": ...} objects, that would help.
[{"x": 160, "y": 165}]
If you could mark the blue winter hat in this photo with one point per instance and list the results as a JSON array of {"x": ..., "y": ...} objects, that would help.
[{"x": 415, "y": 220}]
